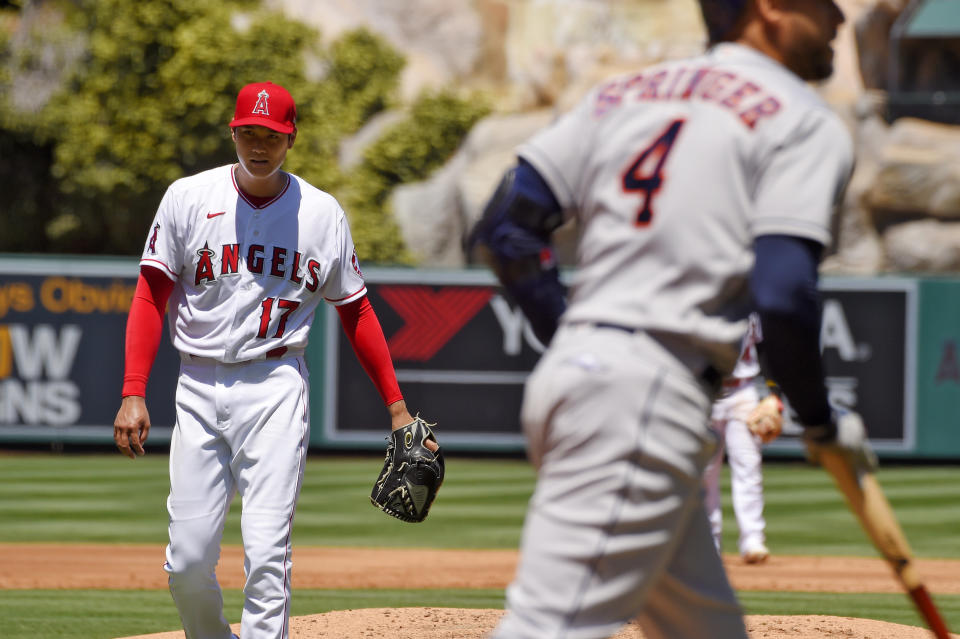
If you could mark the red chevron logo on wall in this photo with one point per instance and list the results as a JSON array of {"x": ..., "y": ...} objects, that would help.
[{"x": 431, "y": 317}]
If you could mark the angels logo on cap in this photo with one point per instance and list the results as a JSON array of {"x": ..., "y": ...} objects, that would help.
[
  {"x": 265, "y": 104},
  {"x": 261, "y": 106}
]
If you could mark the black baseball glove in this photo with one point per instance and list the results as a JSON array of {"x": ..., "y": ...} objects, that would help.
[{"x": 411, "y": 474}]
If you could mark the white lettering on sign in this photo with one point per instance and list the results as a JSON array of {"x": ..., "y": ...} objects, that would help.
[
  {"x": 842, "y": 392},
  {"x": 515, "y": 327},
  {"x": 835, "y": 333},
  {"x": 41, "y": 392},
  {"x": 44, "y": 350},
  {"x": 55, "y": 403}
]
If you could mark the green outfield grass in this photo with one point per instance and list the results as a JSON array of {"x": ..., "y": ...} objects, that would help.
[
  {"x": 106, "y": 498},
  {"x": 109, "y": 498}
]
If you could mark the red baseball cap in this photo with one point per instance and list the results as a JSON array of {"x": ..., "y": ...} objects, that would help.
[{"x": 265, "y": 104}]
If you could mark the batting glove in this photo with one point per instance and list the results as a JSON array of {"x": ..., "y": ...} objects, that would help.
[{"x": 845, "y": 434}]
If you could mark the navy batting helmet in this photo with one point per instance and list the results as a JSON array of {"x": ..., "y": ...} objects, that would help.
[{"x": 720, "y": 16}]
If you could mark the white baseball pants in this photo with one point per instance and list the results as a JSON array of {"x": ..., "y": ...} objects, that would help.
[
  {"x": 241, "y": 428},
  {"x": 745, "y": 457}
]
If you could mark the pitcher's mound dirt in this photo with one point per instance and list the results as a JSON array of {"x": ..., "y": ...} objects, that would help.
[
  {"x": 465, "y": 623},
  {"x": 139, "y": 567}
]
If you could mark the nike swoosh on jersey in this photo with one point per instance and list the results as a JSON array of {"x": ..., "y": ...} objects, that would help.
[{"x": 210, "y": 216}]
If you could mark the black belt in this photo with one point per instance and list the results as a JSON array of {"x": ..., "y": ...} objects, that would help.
[{"x": 616, "y": 327}]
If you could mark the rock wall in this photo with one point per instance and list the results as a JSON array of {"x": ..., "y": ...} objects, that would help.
[
  {"x": 538, "y": 57},
  {"x": 443, "y": 40}
]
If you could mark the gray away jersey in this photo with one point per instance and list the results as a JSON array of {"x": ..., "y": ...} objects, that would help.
[{"x": 672, "y": 173}]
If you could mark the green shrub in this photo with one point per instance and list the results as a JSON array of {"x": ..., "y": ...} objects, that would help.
[
  {"x": 407, "y": 152},
  {"x": 148, "y": 101},
  {"x": 147, "y": 91}
]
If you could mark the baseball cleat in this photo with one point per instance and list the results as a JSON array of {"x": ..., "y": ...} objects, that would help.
[{"x": 756, "y": 554}]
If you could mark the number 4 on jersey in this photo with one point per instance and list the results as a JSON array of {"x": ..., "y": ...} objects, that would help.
[{"x": 640, "y": 178}]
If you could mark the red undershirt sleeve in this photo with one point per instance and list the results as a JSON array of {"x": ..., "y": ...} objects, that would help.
[
  {"x": 144, "y": 328},
  {"x": 363, "y": 329}
]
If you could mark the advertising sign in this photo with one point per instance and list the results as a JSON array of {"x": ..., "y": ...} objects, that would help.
[
  {"x": 62, "y": 325},
  {"x": 938, "y": 368},
  {"x": 868, "y": 340},
  {"x": 462, "y": 353}
]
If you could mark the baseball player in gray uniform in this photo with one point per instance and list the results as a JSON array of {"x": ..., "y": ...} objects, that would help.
[
  {"x": 244, "y": 253},
  {"x": 703, "y": 188}
]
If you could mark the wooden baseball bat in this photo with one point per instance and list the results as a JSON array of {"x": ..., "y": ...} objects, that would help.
[{"x": 870, "y": 505}]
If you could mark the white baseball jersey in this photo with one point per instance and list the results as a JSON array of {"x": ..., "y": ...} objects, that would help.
[
  {"x": 748, "y": 363},
  {"x": 647, "y": 164},
  {"x": 728, "y": 418},
  {"x": 247, "y": 283}
]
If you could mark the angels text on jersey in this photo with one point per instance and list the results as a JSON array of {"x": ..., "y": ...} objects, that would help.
[{"x": 259, "y": 260}]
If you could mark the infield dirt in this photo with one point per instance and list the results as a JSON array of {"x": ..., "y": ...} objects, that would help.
[{"x": 28, "y": 566}]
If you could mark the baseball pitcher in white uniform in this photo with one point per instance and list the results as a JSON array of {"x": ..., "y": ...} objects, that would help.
[
  {"x": 703, "y": 189},
  {"x": 732, "y": 417},
  {"x": 244, "y": 254}
]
